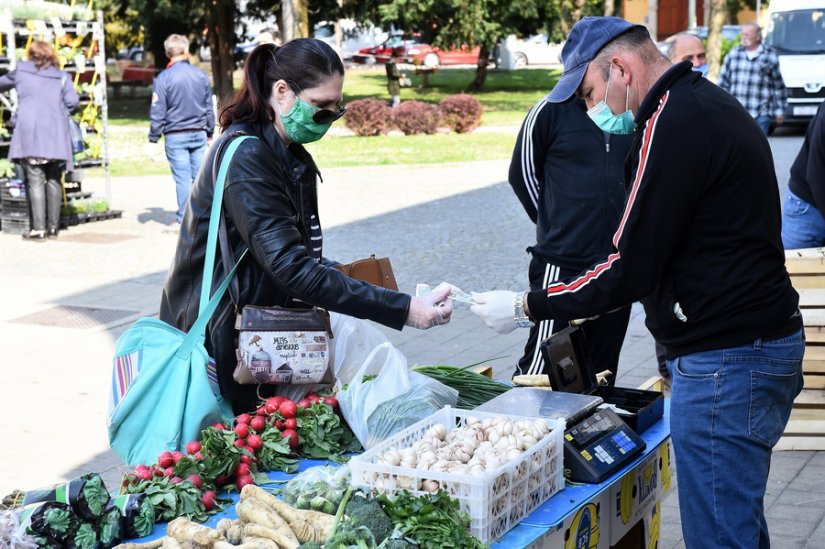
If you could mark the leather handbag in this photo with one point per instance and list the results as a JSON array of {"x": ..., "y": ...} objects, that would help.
[
  {"x": 164, "y": 388},
  {"x": 375, "y": 270},
  {"x": 279, "y": 346}
]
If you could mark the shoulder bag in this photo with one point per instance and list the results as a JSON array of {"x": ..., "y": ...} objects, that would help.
[{"x": 164, "y": 388}]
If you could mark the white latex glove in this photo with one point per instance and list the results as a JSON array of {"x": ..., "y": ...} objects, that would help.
[
  {"x": 430, "y": 310},
  {"x": 496, "y": 309}
]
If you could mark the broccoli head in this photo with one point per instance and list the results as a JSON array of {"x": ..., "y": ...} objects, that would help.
[
  {"x": 362, "y": 511},
  {"x": 351, "y": 536},
  {"x": 310, "y": 545}
]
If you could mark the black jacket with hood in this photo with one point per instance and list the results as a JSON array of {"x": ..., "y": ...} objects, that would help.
[
  {"x": 270, "y": 207},
  {"x": 699, "y": 240},
  {"x": 569, "y": 177}
]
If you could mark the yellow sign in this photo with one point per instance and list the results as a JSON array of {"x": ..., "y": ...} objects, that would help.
[{"x": 584, "y": 530}]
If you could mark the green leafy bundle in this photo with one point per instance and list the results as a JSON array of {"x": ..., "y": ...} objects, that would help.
[
  {"x": 473, "y": 388},
  {"x": 322, "y": 435},
  {"x": 432, "y": 521}
]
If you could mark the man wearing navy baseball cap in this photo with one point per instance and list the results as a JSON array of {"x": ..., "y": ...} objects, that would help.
[{"x": 699, "y": 244}]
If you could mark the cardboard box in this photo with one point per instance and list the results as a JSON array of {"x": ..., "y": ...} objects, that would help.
[{"x": 633, "y": 497}]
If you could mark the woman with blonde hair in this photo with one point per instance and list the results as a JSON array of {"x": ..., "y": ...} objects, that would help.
[{"x": 41, "y": 141}]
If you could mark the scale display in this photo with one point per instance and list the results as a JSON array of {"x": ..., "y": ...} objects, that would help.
[{"x": 598, "y": 446}]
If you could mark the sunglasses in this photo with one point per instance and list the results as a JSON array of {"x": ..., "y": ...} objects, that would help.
[{"x": 324, "y": 116}]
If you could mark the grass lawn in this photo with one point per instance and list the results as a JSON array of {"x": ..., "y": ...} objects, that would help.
[{"x": 506, "y": 99}]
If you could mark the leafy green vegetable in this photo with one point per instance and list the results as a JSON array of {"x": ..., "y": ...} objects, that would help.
[
  {"x": 170, "y": 499},
  {"x": 220, "y": 455},
  {"x": 430, "y": 520},
  {"x": 322, "y": 435},
  {"x": 367, "y": 512},
  {"x": 275, "y": 452},
  {"x": 473, "y": 388}
]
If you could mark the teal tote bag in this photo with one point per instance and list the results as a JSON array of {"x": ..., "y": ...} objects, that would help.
[{"x": 164, "y": 389}]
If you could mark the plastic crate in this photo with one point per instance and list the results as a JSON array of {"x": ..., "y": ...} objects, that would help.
[
  {"x": 14, "y": 225},
  {"x": 12, "y": 189},
  {"x": 495, "y": 500}
]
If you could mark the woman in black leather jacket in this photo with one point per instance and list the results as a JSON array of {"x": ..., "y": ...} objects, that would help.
[{"x": 290, "y": 96}]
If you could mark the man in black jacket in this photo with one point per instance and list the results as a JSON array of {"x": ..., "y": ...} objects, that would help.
[
  {"x": 569, "y": 176},
  {"x": 182, "y": 112},
  {"x": 699, "y": 243},
  {"x": 803, "y": 225}
]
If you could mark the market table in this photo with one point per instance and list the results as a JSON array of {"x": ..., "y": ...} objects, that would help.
[{"x": 622, "y": 511}]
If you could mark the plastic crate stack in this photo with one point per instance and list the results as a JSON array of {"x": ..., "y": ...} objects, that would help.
[{"x": 14, "y": 207}]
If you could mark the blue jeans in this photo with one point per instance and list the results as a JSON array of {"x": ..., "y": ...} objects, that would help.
[
  {"x": 185, "y": 152},
  {"x": 728, "y": 409},
  {"x": 802, "y": 224},
  {"x": 764, "y": 122}
]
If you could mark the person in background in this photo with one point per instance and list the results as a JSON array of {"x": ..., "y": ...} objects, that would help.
[
  {"x": 803, "y": 225},
  {"x": 269, "y": 35},
  {"x": 751, "y": 74},
  {"x": 688, "y": 47},
  {"x": 699, "y": 244},
  {"x": 393, "y": 80},
  {"x": 182, "y": 113},
  {"x": 290, "y": 96},
  {"x": 568, "y": 175},
  {"x": 41, "y": 140}
]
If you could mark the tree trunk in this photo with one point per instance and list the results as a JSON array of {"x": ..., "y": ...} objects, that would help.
[
  {"x": 295, "y": 19},
  {"x": 609, "y": 8},
  {"x": 571, "y": 13},
  {"x": 221, "y": 34},
  {"x": 481, "y": 69},
  {"x": 718, "y": 12}
]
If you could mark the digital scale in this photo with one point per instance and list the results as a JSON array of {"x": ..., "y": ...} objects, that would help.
[
  {"x": 598, "y": 446},
  {"x": 604, "y": 441}
]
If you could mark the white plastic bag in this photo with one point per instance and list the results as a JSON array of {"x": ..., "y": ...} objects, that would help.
[
  {"x": 354, "y": 339},
  {"x": 396, "y": 398}
]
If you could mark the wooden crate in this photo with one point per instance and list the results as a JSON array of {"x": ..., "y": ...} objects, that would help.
[{"x": 806, "y": 428}]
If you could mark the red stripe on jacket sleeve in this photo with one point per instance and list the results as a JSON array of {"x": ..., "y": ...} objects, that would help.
[{"x": 644, "y": 153}]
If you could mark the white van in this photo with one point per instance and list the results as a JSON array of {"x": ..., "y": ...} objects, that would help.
[{"x": 796, "y": 31}]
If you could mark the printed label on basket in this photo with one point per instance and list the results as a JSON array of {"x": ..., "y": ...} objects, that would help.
[{"x": 285, "y": 358}]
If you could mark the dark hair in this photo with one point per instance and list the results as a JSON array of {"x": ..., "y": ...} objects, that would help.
[
  {"x": 42, "y": 54},
  {"x": 304, "y": 63},
  {"x": 637, "y": 40}
]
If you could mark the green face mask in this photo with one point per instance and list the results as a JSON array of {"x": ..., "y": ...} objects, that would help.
[{"x": 299, "y": 123}]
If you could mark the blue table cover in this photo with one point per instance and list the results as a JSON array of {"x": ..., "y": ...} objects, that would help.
[{"x": 547, "y": 517}]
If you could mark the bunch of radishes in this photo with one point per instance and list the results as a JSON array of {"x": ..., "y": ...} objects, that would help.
[
  {"x": 165, "y": 467},
  {"x": 279, "y": 412}
]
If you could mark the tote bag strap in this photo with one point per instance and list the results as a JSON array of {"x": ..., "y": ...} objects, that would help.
[
  {"x": 214, "y": 222},
  {"x": 198, "y": 330}
]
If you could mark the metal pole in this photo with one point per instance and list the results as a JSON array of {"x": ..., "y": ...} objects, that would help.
[{"x": 692, "y": 14}]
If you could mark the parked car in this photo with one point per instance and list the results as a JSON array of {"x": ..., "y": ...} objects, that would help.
[
  {"x": 381, "y": 53},
  {"x": 132, "y": 53},
  {"x": 431, "y": 57},
  {"x": 535, "y": 50},
  {"x": 409, "y": 49},
  {"x": 355, "y": 36},
  {"x": 729, "y": 32}
]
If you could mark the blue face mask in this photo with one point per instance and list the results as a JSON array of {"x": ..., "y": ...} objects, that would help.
[
  {"x": 702, "y": 69},
  {"x": 604, "y": 118}
]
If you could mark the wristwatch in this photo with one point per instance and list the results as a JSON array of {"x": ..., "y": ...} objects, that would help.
[{"x": 520, "y": 317}]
